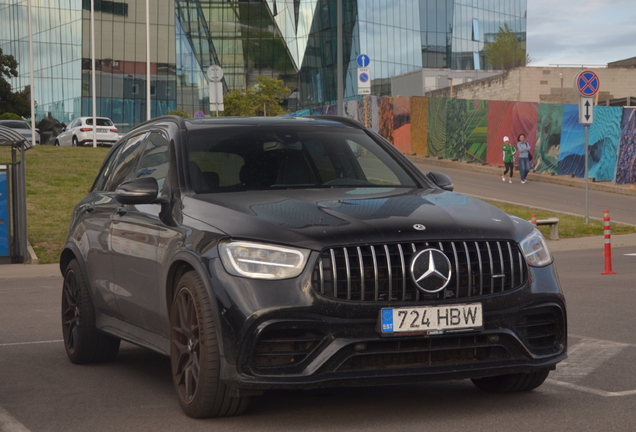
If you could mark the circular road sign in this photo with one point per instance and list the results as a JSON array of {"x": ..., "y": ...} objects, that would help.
[
  {"x": 363, "y": 60},
  {"x": 587, "y": 83},
  {"x": 364, "y": 77},
  {"x": 199, "y": 114},
  {"x": 215, "y": 73}
]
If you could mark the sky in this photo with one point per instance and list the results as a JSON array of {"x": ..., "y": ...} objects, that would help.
[{"x": 580, "y": 32}]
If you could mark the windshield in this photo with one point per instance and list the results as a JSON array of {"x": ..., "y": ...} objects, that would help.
[
  {"x": 100, "y": 122},
  {"x": 255, "y": 157},
  {"x": 15, "y": 124}
]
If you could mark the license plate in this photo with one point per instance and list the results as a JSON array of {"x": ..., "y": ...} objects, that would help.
[
  {"x": 102, "y": 130},
  {"x": 431, "y": 319}
]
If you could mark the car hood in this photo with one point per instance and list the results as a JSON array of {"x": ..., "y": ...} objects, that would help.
[{"x": 318, "y": 218}]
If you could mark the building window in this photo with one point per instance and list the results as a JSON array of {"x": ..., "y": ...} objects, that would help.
[
  {"x": 476, "y": 61},
  {"x": 476, "y": 30}
]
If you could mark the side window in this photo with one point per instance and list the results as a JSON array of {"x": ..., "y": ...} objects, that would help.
[
  {"x": 155, "y": 160},
  {"x": 125, "y": 162},
  {"x": 106, "y": 169}
]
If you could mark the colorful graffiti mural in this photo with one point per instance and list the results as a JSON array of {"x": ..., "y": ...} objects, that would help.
[{"x": 473, "y": 130}]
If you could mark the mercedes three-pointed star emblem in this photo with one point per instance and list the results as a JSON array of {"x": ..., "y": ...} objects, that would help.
[{"x": 430, "y": 270}]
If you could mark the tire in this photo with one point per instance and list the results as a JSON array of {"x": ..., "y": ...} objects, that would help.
[
  {"x": 75, "y": 143},
  {"x": 57, "y": 143},
  {"x": 83, "y": 342},
  {"x": 513, "y": 383},
  {"x": 194, "y": 354}
]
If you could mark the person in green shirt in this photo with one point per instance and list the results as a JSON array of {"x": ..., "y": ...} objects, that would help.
[{"x": 509, "y": 158}]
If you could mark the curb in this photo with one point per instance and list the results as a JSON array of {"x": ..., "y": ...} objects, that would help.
[{"x": 566, "y": 180}]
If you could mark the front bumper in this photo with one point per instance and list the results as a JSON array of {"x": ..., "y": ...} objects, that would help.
[{"x": 280, "y": 340}]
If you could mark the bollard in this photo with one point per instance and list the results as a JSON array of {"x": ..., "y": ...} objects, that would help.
[
  {"x": 533, "y": 219},
  {"x": 608, "y": 244}
]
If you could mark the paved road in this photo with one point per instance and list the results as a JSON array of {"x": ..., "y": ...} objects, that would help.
[
  {"x": 538, "y": 194},
  {"x": 40, "y": 390}
]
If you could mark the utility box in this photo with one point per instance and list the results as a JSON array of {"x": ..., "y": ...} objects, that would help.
[
  {"x": 13, "y": 217},
  {"x": 5, "y": 222}
]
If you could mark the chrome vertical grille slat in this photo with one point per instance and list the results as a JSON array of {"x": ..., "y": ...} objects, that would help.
[
  {"x": 403, "y": 265},
  {"x": 501, "y": 261},
  {"x": 470, "y": 270},
  {"x": 360, "y": 260},
  {"x": 375, "y": 272},
  {"x": 385, "y": 269},
  {"x": 390, "y": 273},
  {"x": 346, "y": 257},
  {"x": 481, "y": 270}
]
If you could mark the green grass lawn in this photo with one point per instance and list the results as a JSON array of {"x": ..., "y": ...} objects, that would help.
[{"x": 59, "y": 177}]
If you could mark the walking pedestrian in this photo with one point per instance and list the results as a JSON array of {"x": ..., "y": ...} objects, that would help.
[
  {"x": 524, "y": 157},
  {"x": 509, "y": 158}
]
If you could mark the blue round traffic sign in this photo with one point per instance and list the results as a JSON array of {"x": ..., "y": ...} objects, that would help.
[
  {"x": 363, "y": 60},
  {"x": 364, "y": 77},
  {"x": 587, "y": 83}
]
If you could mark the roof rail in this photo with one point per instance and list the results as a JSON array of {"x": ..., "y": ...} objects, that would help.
[{"x": 344, "y": 120}]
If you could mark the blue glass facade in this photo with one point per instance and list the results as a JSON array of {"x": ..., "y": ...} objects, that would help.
[{"x": 293, "y": 40}]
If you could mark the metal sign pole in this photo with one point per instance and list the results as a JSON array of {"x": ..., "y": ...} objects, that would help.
[{"x": 587, "y": 208}]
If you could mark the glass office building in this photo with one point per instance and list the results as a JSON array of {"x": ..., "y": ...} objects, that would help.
[{"x": 293, "y": 40}]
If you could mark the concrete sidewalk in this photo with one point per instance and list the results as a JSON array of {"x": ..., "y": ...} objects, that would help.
[{"x": 24, "y": 271}]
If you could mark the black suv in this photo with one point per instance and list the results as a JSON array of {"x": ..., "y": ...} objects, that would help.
[{"x": 262, "y": 253}]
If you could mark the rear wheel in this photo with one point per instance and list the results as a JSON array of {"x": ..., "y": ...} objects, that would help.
[
  {"x": 512, "y": 383},
  {"x": 83, "y": 342},
  {"x": 75, "y": 142},
  {"x": 194, "y": 354}
]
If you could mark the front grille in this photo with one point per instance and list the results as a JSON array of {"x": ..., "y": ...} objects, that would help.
[
  {"x": 380, "y": 272},
  {"x": 429, "y": 352}
]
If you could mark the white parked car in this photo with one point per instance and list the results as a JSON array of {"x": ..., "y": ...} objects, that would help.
[{"x": 79, "y": 132}]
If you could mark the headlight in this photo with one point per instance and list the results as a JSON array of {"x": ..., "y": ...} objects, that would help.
[
  {"x": 262, "y": 261},
  {"x": 535, "y": 249}
]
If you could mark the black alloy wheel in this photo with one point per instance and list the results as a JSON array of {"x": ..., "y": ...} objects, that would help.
[
  {"x": 82, "y": 341},
  {"x": 186, "y": 345},
  {"x": 194, "y": 354},
  {"x": 75, "y": 142}
]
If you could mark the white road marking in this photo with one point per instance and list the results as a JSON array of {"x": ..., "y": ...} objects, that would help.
[
  {"x": 9, "y": 424},
  {"x": 591, "y": 390},
  {"x": 634, "y": 254},
  {"x": 31, "y": 343},
  {"x": 585, "y": 357}
]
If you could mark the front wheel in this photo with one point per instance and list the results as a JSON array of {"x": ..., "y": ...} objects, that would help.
[
  {"x": 194, "y": 354},
  {"x": 83, "y": 342},
  {"x": 57, "y": 143},
  {"x": 75, "y": 142},
  {"x": 512, "y": 383}
]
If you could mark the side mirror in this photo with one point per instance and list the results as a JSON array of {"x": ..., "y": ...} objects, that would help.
[
  {"x": 441, "y": 180},
  {"x": 137, "y": 191}
]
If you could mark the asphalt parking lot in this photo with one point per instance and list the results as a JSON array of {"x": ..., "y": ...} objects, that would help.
[{"x": 595, "y": 389}]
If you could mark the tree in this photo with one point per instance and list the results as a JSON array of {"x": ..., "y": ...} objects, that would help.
[
  {"x": 15, "y": 102},
  {"x": 182, "y": 114},
  {"x": 505, "y": 52},
  {"x": 265, "y": 98}
]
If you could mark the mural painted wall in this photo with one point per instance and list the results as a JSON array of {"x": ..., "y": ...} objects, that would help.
[
  {"x": 626, "y": 162},
  {"x": 473, "y": 130}
]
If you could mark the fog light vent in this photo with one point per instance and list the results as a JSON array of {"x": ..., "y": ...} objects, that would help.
[{"x": 284, "y": 347}]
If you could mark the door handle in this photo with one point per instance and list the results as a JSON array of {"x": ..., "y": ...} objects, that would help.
[
  {"x": 88, "y": 208},
  {"x": 122, "y": 210}
]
